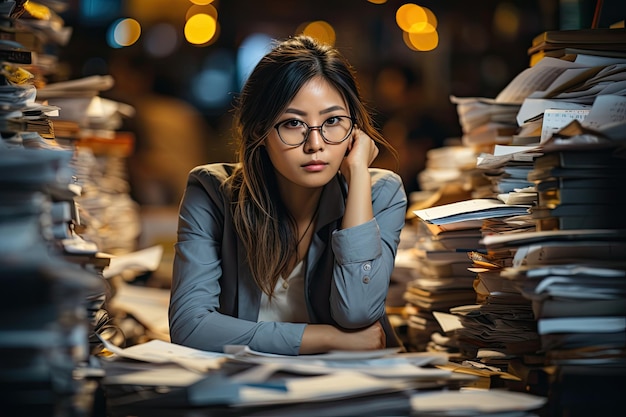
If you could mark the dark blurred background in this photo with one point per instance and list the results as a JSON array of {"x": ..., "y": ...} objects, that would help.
[{"x": 480, "y": 46}]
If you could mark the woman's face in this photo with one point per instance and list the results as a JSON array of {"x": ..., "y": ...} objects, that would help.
[{"x": 315, "y": 162}]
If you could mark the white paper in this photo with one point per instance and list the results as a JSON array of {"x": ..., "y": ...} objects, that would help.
[
  {"x": 142, "y": 260},
  {"x": 479, "y": 401},
  {"x": 157, "y": 351}
]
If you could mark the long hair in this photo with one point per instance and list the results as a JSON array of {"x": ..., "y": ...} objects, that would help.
[{"x": 263, "y": 223}]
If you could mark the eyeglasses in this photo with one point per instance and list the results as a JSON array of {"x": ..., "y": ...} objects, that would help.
[{"x": 294, "y": 132}]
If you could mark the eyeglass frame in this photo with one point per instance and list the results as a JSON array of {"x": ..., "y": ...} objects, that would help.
[{"x": 318, "y": 128}]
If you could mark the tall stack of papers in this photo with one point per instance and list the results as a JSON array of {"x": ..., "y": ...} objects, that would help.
[
  {"x": 54, "y": 291},
  {"x": 451, "y": 239},
  {"x": 486, "y": 122},
  {"x": 44, "y": 331}
]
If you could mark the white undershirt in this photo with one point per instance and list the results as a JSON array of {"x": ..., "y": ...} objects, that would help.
[{"x": 287, "y": 304}]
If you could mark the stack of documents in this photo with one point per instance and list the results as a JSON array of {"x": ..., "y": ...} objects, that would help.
[
  {"x": 579, "y": 181},
  {"x": 452, "y": 164},
  {"x": 44, "y": 332},
  {"x": 451, "y": 234},
  {"x": 575, "y": 280},
  {"x": 508, "y": 168},
  {"x": 486, "y": 122}
]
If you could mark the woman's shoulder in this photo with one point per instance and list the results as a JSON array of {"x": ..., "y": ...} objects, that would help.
[
  {"x": 386, "y": 185},
  {"x": 384, "y": 177},
  {"x": 218, "y": 170}
]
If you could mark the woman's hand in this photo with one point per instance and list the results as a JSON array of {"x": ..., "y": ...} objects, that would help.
[
  {"x": 320, "y": 338},
  {"x": 362, "y": 151}
]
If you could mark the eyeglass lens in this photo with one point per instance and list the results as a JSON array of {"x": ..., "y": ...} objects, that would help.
[{"x": 333, "y": 130}]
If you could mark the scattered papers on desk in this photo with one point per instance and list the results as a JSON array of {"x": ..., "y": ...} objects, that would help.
[
  {"x": 246, "y": 351},
  {"x": 344, "y": 384},
  {"x": 202, "y": 381},
  {"x": 474, "y": 402},
  {"x": 383, "y": 363},
  {"x": 157, "y": 351}
]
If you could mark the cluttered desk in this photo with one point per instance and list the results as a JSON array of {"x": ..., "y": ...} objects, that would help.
[{"x": 158, "y": 378}]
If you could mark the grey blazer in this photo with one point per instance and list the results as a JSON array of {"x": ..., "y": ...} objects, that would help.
[{"x": 214, "y": 300}]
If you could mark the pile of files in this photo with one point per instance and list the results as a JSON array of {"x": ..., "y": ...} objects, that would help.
[
  {"x": 54, "y": 292},
  {"x": 571, "y": 268},
  {"x": 450, "y": 240},
  {"x": 449, "y": 170},
  {"x": 580, "y": 187},
  {"x": 575, "y": 282},
  {"x": 44, "y": 331},
  {"x": 485, "y": 121}
]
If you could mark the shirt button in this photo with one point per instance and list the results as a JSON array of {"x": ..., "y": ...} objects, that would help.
[
  {"x": 367, "y": 266},
  {"x": 366, "y": 280}
]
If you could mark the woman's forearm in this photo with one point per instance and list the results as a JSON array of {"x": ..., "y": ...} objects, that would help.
[
  {"x": 320, "y": 338},
  {"x": 359, "y": 201}
]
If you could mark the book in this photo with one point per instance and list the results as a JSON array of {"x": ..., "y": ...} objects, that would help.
[{"x": 599, "y": 38}]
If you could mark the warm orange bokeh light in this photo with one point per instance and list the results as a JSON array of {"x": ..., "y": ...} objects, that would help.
[
  {"x": 424, "y": 41},
  {"x": 409, "y": 15},
  {"x": 321, "y": 31},
  {"x": 200, "y": 29},
  {"x": 204, "y": 9}
]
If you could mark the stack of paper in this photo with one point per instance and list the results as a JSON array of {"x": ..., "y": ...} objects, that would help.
[
  {"x": 451, "y": 233},
  {"x": 44, "y": 331},
  {"x": 486, "y": 122},
  {"x": 579, "y": 189},
  {"x": 575, "y": 280},
  {"x": 449, "y": 166}
]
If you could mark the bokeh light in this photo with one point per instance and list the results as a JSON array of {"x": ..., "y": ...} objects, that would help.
[
  {"x": 419, "y": 26},
  {"x": 200, "y": 29},
  {"x": 201, "y": 2},
  {"x": 410, "y": 15},
  {"x": 201, "y": 9},
  {"x": 161, "y": 40},
  {"x": 250, "y": 53},
  {"x": 320, "y": 30},
  {"x": 123, "y": 32},
  {"x": 506, "y": 20},
  {"x": 426, "y": 40}
]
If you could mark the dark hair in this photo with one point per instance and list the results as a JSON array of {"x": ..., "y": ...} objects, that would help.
[{"x": 269, "y": 89}]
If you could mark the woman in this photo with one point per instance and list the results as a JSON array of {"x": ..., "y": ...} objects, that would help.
[{"x": 290, "y": 250}]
